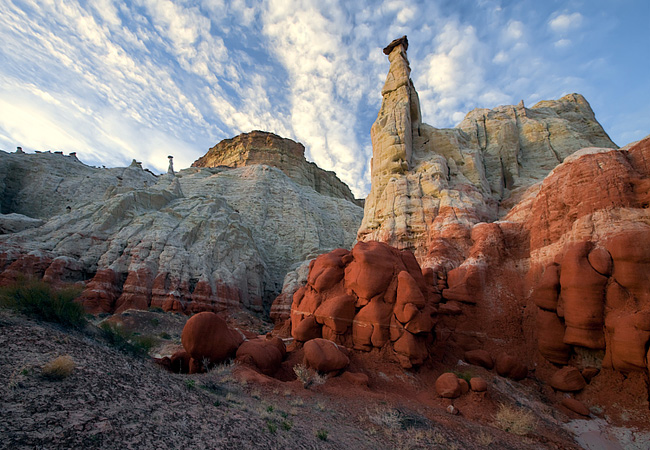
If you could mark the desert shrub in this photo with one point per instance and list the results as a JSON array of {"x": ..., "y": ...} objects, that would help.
[
  {"x": 38, "y": 299},
  {"x": 308, "y": 377},
  {"x": 156, "y": 309},
  {"x": 59, "y": 368},
  {"x": 515, "y": 420},
  {"x": 272, "y": 426},
  {"x": 321, "y": 434},
  {"x": 463, "y": 375},
  {"x": 127, "y": 342},
  {"x": 385, "y": 417}
]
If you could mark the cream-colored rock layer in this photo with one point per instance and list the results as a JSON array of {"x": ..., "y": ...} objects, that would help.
[
  {"x": 430, "y": 185},
  {"x": 242, "y": 228},
  {"x": 259, "y": 147}
]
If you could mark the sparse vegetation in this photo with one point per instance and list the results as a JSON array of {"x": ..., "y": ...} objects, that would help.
[
  {"x": 321, "y": 434},
  {"x": 157, "y": 309},
  {"x": 386, "y": 418},
  {"x": 127, "y": 342},
  {"x": 287, "y": 425},
  {"x": 272, "y": 426},
  {"x": 308, "y": 377},
  {"x": 515, "y": 420},
  {"x": 190, "y": 384},
  {"x": 484, "y": 439},
  {"x": 38, "y": 299},
  {"x": 59, "y": 368},
  {"x": 463, "y": 375}
]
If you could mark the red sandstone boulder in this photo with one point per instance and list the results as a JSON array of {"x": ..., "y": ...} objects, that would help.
[
  {"x": 568, "y": 379},
  {"x": 448, "y": 386},
  {"x": 576, "y": 406},
  {"x": 464, "y": 386},
  {"x": 325, "y": 356},
  {"x": 371, "y": 297},
  {"x": 306, "y": 329},
  {"x": 507, "y": 366},
  {"x": 261, "y": 353},
  {"x": 206, "y": 337},
  {"x": 480, "y": 358},
  {"x": 478, "y": 384}
]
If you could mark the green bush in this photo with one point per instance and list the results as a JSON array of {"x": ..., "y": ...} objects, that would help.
[
  {"x": 38, "y": 299},
  {"x": 125, "y": 341}
]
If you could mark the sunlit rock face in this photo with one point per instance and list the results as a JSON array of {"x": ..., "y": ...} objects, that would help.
[
  {"x": 203, "y": 239},
  {"x": 532, "y": 223},
  {"x": 259, "y": 147},
  {"x": 430, "y": 186}
]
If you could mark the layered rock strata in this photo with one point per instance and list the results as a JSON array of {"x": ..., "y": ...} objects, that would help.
[
  {"x": 430, "y": 186},
  {"x": 203, "y": 239},
  {"x": 259, "y": 147},
  {"x": 533, "y": 224}
]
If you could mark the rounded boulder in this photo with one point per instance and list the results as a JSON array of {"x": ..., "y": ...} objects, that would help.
[
  {"x": 325, "y": 356},
  {"x": 448, "y": 386},
  {"x": 568, "y": 379},
  {"x": 206, "y": 336},
  {"x": 261, "y": 353}
]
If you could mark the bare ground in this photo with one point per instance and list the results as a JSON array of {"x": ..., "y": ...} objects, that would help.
[{"x": 115, "y": 400}]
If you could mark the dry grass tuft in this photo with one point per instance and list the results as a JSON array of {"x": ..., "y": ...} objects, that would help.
[
  {"x": 484, "y": 439},
  {"x": 385, "y": 418},
  {"x": 515, "y": 421},
  {"x": 308, "y": 377},
  {"x": 59, "y": 368}
]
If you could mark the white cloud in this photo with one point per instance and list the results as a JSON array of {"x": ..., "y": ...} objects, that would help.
[
  {"x": 564, "y": 23},
  {"x": 562, "y": 43},
  {"x": 515, "y": 30}
]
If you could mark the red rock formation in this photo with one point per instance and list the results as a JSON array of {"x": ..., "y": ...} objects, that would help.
[
  {"x": 325, "y": 356},
  {"x": 448, "y": 386},
  {"x": 568, "y": 379},
  {"x": 368, "y": 298},
  {"x": 264, "y": 354},
  {"x": 478, "y": 384},
  {"x": 207, "y": 338},
  {"x": 480, "y": 358}
]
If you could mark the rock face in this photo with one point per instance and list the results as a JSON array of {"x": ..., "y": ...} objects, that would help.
[
  {"x": 204, "y": 239},
  {"x": 259, "y": 147},
  {"x": 371, "y": 297},
  {"x": 430, "y": 186},
  {"x": 531, "y": 223}
]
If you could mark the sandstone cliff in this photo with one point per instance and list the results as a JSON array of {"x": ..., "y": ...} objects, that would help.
[
  {"x": 259, "y": 147},
  {"x": 535, "y": 228},
  {"x": 202, "y": 239},
  {"x": 429, "y": 185}
]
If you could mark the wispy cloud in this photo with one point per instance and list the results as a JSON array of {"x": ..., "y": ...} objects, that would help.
[{"x": 116, "y": 80}]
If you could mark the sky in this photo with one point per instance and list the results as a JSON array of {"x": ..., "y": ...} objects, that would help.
[{"x": 116, "y": 80}]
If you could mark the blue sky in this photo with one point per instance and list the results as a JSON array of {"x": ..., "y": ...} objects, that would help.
[{"x": 117, "y": 80}]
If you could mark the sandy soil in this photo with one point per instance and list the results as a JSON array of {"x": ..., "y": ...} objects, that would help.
[{"x": 115, "y": 400}]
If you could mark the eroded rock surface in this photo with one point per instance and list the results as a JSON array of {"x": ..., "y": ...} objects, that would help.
[
  {"x": 370, "y": 297},
  {"x": 203, "y": 239},
  {"x": 430, "y": 186},
  {"x": 259, "y": 147}
]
